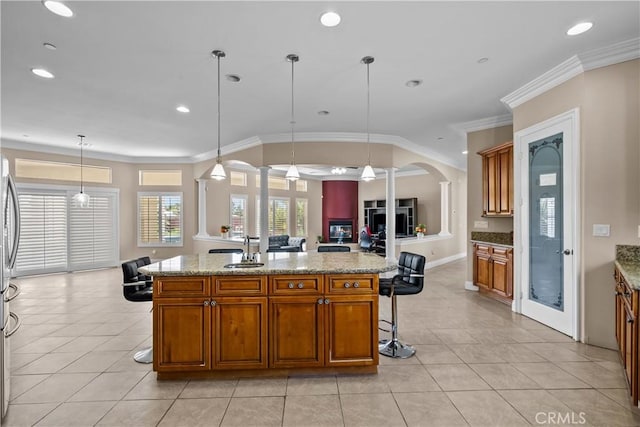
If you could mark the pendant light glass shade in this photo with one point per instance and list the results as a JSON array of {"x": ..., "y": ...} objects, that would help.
[
  {"x": 368, "y": 174},
  {"x": 218, "y": 172},
  {"x": 81, "y": 199},
  {"x": 292, "y": 173}
]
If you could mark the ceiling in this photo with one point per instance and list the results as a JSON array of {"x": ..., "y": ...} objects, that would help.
[{"x": 122, "y": 67}]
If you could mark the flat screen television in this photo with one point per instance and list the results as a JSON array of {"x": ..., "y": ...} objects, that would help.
[{"x": 379, "y": 223}]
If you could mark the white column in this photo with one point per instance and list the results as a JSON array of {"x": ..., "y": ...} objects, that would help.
[
  {"x": 391, "y": 214},
  {"x": 202, "y": 208},
  {"x": 264, "y": 209},
  {"x": 444, "y": 208}
]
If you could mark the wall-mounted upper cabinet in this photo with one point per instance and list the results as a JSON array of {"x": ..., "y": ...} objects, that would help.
[{"x": 497, "y": 180}]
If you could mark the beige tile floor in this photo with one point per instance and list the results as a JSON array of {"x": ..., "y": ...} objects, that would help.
[{"x": 477, "y": 364}]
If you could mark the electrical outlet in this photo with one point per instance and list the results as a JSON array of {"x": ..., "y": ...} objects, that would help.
[{"x": 481, "y": 224}]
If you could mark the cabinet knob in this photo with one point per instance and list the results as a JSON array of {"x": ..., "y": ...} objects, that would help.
[
  {"x": 300, "y": 285},
  {"x": 347, "y": 285},
  {"x": 291, "y": 285},
  {"x": 320, "y": 301},
  {"x": 629, "y": 319},
  {"x": 326, "y": 301},
  {"x": 356, "y": 284},
  {"x": 213, "y": 303},
  {"x": 206, "y": 303}
]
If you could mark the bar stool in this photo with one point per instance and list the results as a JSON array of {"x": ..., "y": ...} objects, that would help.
[
  {"x": 137, "y": 287},
  {"x": 408, "y": 281}
]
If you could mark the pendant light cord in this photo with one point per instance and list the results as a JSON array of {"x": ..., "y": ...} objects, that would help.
[
  {"x": 218, "y": 108},
  {"x": 368, "y": 117},
  {"x": 293, "y": 119},
  {"x": 81, "y": 164}
]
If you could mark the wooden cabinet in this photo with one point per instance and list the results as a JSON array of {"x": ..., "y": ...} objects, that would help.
[
  {"x": 497, "y": 180},
  {"x": 248, "y": 323},
  {"x": 493, "y": 271},
  {"x": 626, "y": 306}
]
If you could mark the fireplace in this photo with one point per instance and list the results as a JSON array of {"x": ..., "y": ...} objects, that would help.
[{"x": 341, "y": 231}]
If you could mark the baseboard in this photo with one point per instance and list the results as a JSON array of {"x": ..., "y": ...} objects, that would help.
[
  {"x": 468, "y": 285},
  {"x": 445, "y": 260}
]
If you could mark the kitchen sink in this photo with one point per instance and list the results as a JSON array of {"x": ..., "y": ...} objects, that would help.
[{"x": 244, "y": 265}]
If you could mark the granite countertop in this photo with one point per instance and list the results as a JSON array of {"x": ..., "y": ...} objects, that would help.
[
  {"x": 496, "y": 238},
  {"x": 628, "y": 263},
  {"x": 274, "y": 263}
]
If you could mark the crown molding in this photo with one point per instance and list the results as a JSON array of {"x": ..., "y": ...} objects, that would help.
[
  {"x": 486, "y": 123},
  {"x": 627, "y": 50},
  {"x": 619, "y": 52}
]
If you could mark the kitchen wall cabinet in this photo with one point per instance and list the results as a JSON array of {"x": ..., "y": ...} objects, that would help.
[{"x": 497, "y": 180}]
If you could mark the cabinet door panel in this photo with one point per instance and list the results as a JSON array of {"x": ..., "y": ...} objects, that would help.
[
  {"x": 181, "y": 287},
  {"x": 505, "y": 186},
  {"x": 182, "y": 339},
  {"x": 350, "y": 284},
  {"x": 296, "y": 285},
  {"x": 352, "y": 335},
  {"x": 500, "y": 277},
  {"x": 482, "y": 266},
  {"x": 239, "y": 285},
  {"x": 491, "y": 185},
  {"x": 296, "y": 334},
  {"x": 240, "y": 333}
]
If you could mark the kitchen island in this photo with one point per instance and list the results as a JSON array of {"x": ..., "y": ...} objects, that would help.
[{"x": 287, "y": 313}]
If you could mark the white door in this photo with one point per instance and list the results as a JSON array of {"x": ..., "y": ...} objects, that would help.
[{"x": 546, "y": 222}]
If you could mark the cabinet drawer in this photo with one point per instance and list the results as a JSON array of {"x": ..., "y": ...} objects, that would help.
[
  {"x": 240, "y": 285},
  {"x": 181, "y": 287},
  {"x": 352, "y": 284},
  {"x": 296, "y": 285}
]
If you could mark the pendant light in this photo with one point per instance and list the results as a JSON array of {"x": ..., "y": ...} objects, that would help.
[
  {"x": 218, "y": 172},
  {"x": 368, "y": 174},
  {"x": 292, "y": 173},
  {"x": 81, "y": 199}
]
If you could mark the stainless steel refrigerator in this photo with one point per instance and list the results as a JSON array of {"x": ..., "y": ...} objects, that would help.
[{"x": 9, "y": 321}]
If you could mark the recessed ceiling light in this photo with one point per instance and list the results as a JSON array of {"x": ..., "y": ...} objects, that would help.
[
  {"x": 183, "y": 108},
  {"x": 330, "y": 19},
  {"x": 482, "y": 60},
  {"x": 323, "y": 113},
  {"x": 465, "y": 152},
  {"x": 413, "y": 83},
  {"x": 58, "y": 8},
  {"x": 41, "y": 72},
  {"x": 49, "y": 46},
  {"x": 440, "y": 138},
  {"x": 233, "y": 78},
  {"x": 579, "y": 28}
]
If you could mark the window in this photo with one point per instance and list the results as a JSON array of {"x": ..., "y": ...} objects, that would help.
[
  {"x": 40, "y": 169},
  {"x": 275, "y": 183},
  {"x": 238, "y": 216},
  {"x": 301, "y": 217},
  {"x": 548, "y": 217},
  {"x": 301, "y": 185},
  {"x": 278, "y": 216},
  {"x": 58, "y": 236},
  {"x": 238, "y": 178},
  {"x": 160, "y": 177},
  {"x": 159, "y": 219}
]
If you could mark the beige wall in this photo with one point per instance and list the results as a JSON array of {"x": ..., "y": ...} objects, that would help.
[
  {"x": 478, "y": 141},
  {"x": 125, "y": 177},
  {"x": 608, "y": 99}
]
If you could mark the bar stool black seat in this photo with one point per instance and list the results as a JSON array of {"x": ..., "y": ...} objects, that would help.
[
  {"x": 408, "y": 281},
  {"x": 137, "y": 287}
]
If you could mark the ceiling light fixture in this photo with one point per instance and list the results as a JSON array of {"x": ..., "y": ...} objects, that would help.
[
  {"x": 413, "y": 83},
  {"x": 330, "y": 19},
  {"x": 49, "y": 46},
  {"x": 58, "y": 8},
  {"x": 323, "y": 113},
  {"x": 292, "y": 173},
  {"x": 579, "y": 28},
  {"x": 233, "y": 78},
  {"x": 183, "y": 109},
  {"x": 41, "y": 72},
  {"x": 81, "y": 199},
  {"x": 367, "y": 173},
  {"x": 218, "y": 172},
  {"x": 338, "y": 170}
]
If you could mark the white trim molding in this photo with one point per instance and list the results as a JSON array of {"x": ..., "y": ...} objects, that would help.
[
  {"x": 469, "y": 286},
  {"x": 620, "y": 52},
  {"x": 482, "y": 124}
]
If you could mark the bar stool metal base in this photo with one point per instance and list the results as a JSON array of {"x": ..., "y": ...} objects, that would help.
[
  {"x": 395, "y": 349},
  {"x": 144, "y": 356}
]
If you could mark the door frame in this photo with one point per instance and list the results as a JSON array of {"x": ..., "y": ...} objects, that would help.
[{"x": 568, "y": 123}]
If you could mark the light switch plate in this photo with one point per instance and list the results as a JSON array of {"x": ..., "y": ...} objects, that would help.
[
  {"x": 601, "y": 230},
  {"x": 480, "y": 224}
]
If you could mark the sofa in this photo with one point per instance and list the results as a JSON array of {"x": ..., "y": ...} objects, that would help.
[{"x": 284, "y": 243}]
